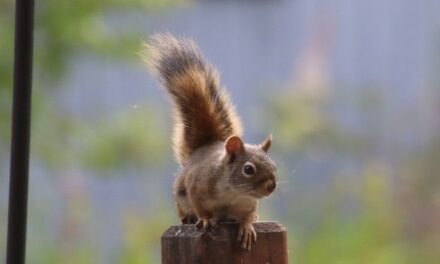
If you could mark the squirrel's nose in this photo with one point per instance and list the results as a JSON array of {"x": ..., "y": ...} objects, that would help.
[{"x": 270, "y": 186}]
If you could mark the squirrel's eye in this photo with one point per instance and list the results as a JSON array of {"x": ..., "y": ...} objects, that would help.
[{"x": 249, "y": 169}]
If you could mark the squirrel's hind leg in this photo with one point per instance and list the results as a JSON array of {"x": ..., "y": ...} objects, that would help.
[
  {"x": 205, "y": 217},
  {"x": 184, "y": 207},
  {"x": 190, "y": 219}
]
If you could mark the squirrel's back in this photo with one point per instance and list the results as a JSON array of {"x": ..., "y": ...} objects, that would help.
[{"x": 204, "y": 112}]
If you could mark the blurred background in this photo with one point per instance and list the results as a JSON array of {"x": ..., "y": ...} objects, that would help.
[{"x": 349, "y": 89}]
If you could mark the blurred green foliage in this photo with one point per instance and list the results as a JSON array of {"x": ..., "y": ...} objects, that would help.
[
  {"x": 62, "y": 141},
  {"x": 64, "y": 29},
  {"x": 121, "y": 140},
  {"x": 140, "y": 241},
  {"x": 396, "y": 214}
]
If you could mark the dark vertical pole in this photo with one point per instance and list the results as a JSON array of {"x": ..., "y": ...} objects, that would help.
[{"x": 21, "y": 111}]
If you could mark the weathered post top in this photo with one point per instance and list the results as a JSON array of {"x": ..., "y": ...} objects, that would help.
[{"x": 185, "y": 244}]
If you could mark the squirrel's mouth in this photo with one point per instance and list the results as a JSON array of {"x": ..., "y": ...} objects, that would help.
[
  {"x": 257, "y": 195},
  {"x": 265, "y": 189}
]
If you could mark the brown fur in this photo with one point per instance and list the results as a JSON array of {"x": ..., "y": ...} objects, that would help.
[
  {"x": 204, "y": 112},
  {"x": 212, "y": 184}
]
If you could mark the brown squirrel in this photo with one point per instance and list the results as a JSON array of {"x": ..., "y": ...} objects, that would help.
[{"x": 220, "y": 177}]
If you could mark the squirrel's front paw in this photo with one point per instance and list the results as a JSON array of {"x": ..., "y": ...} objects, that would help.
[{"x": 246, "y": 234}]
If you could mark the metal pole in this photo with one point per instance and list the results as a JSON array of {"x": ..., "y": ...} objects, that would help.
[{"x": 21, "y": 112}]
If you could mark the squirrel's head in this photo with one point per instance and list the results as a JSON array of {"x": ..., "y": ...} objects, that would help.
[{"x": 252, "y": 171}]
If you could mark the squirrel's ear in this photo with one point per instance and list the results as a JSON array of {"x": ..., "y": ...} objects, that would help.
[
  {"x": 234, "y": 145},
  {"x": 265, "y": 146}
]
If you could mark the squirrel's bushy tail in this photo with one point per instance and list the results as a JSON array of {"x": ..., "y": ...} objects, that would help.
[{"x": 204, "y": 112}]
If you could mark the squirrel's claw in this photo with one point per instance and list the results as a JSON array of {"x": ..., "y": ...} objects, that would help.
[
  {"x": 202, "y": 223},
  {"x": 247, "y": 234}
]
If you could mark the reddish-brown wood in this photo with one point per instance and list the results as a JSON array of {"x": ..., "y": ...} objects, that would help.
[{"x": 185, "y": 244}]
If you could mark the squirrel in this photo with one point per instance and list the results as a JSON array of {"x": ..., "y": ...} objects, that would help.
[{"x": 220, "y": 176}]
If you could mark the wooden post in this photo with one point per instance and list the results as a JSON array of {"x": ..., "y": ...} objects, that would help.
[{"x": 185, "y": 244}]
